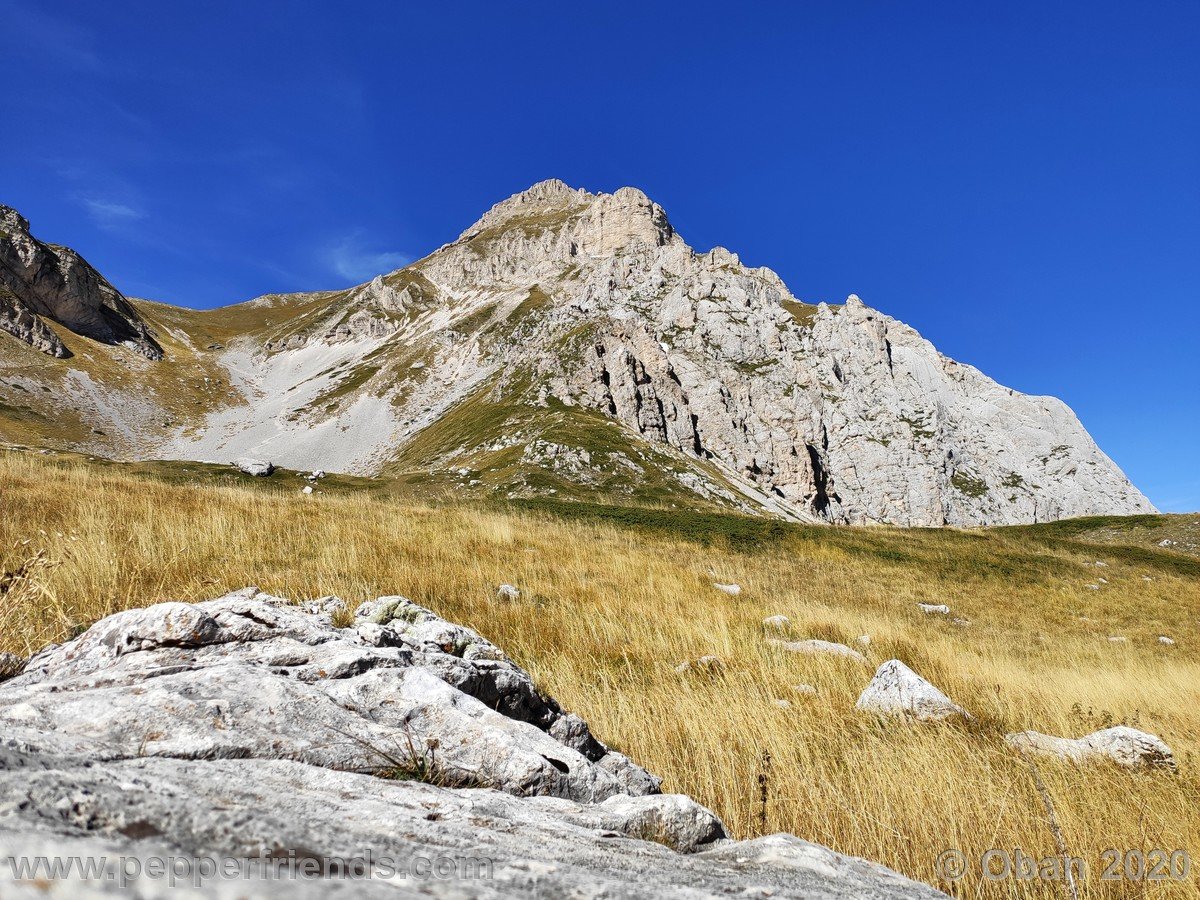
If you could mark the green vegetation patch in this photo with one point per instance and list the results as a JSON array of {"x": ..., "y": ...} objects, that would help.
[
  {"x": 804, "y": 314},
  {"x": 355, "y": 379},
  {"x": 969, "y": 484}
]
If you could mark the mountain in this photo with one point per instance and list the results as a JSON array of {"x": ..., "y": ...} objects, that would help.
[
  {"x": 572, "y": 345},
  {"x": 43, "y": 281}
]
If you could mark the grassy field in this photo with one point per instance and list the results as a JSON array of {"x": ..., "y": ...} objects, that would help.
[{"x": 613, "y": 600}]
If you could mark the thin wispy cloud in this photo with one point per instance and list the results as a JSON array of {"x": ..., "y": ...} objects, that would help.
[
  {"x": 351, "y": 258},
  {"x": 111, "y": 213},
  {"x": 32, "y": 32}
]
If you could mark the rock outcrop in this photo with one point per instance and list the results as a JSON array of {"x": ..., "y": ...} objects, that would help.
[
  {"x": 251, "y": 734},
  {"x": 44, "y": 281}
]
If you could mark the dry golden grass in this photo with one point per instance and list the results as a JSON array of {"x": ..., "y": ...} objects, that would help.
[{"x": 609, "y": 611}]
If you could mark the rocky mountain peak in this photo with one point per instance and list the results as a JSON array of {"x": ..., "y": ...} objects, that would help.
[
  {"x": 544, "y": 198},
  {"x": 11, "y": 220},
  {"x": 592, "y": 224},
  {"x": 41, "y": 281}
]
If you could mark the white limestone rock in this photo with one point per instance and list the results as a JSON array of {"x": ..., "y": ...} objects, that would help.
[
  {"x": 896, "y": 690},
  {"x": 259, "y": 468},
  {"x": 1127, "y": 747},
  {"x": 245, "y": 726},
  {"x": 815, "y": 647}
]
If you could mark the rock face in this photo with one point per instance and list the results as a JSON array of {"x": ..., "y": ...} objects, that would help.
[
  {"x": 896, "y": 690},
  {"x": 1125, "y": 746},
  {"x": 45, "y": 280},
  {"x": 245, "y": 728},
  {"x": 571, "y": 344}
]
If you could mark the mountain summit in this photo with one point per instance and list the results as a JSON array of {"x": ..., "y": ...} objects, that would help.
[{"x": 571, "y": 344}]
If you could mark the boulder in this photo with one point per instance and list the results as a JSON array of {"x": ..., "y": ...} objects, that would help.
[
  {"x": 256, "y": 467},
  {"x": 896, "y": 690},
  {"x": 1125, "y": 746},
  {"x": 246, "y": 729}
]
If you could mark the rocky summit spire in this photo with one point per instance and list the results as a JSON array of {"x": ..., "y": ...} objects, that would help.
[{"x": 596, "y": 224}]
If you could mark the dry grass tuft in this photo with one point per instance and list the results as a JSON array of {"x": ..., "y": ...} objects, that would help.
[{"x": 608, "y": 610}]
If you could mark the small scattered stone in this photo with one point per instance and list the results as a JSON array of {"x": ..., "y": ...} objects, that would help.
[
  {"x": 508, "y": 592},
  {"x": 710, "y": 665},
  {"x": 805, "y": 690},
  {"x": 1163, "y": 639},
  {"x": 818, "y": 648},
  {"x": 731, "y": 589},
  {"x": 776, "y": 623},
  {"x": 934, "y": 609}
]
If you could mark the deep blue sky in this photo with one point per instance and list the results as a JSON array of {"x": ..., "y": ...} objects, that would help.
[{"x": 1019, "y": 181}]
